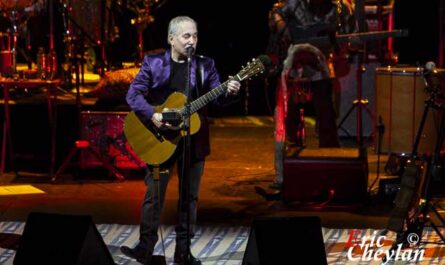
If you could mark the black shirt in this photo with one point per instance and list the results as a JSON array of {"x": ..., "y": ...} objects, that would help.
[{"x": 178, "y": 76}]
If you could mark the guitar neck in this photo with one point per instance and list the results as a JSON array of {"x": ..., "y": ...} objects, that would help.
[
  {"x": 362, "y": 36},
  {"x": 254, "y": 67},
  {"x": 208, "y": 97}
]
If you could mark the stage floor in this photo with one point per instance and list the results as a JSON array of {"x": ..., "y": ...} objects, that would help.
[{"x": 241, "y": 159}]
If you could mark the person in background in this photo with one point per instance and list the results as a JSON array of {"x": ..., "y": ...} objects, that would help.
[{"x": 308, "y": 65}]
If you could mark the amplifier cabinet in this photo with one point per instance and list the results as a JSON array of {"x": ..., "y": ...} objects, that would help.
[
  {"x": 326, "y": 175},
  {"x": 104, "y": 131}
]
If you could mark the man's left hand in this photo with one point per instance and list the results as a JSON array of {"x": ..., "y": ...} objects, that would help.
[{"x": 233, "y": 86}]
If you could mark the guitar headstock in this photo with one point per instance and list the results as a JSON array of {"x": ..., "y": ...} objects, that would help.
[{"x": 254, "y": 67}]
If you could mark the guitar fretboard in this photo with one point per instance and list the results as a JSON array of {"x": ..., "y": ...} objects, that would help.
[
  {"x": 208, "y": 97},
  {"x": 362, "y": 36},
  {"x": 253, "y": 68}
]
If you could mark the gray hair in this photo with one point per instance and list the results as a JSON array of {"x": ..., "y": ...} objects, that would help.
[{"x": 173, "y": 26}]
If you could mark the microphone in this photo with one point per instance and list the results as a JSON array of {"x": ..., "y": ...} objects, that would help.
[
  {"x": 189, "y": 51},
  {"x": 430, "y": 67},
  {"x": 429, "y": 76}
]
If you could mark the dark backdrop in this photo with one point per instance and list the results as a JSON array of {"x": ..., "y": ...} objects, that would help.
[
  {"x": 233, "y": 32},
  {"x": 421, "y": 18}
]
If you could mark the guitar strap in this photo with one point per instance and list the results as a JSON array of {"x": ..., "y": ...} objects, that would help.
[{"x": 199, "y": 76}]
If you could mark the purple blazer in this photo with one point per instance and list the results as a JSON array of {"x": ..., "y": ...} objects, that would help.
[{"x": 150, "y": 88}]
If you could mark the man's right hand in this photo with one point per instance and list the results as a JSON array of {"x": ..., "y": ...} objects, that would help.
[{"x": 157, "y": 121}]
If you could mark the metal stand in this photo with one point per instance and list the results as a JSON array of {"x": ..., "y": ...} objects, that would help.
[
  {"x": 82, "y": 144},
  {"x": 141, "y": 22},
  {"x": 13, "y": 48},
  {"x": 186, "y": 159},
  {"x": 72, "y": 27},
  {"x": 358, "y": 104},
  {"x": 381, "y": 132},
  {"x": 426, "y": 207},
  {"x": 422, "y": 203},
  {"x": 143, "y": 10}
]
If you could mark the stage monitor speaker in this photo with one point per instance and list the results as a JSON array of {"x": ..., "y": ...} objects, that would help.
[
  {"x": 327, "y": 177},
  {"x": 285, "y": 240},
  {"x": 61, "y": 239}
]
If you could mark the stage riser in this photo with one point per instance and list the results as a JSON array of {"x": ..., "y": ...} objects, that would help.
[
  {"x": 31, "y": 134},
  {"x": 31, "y": 137}
]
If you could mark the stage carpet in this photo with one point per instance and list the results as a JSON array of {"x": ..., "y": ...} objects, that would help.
[{"x": 226, "y": 245}]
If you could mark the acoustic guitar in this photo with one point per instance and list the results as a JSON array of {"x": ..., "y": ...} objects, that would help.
[{"x": 155, "y": 146}]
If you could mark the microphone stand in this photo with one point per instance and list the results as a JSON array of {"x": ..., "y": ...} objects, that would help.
[{"x": 186, "y": 152}]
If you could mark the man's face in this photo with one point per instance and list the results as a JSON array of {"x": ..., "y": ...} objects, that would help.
[{"x": 187, "y": 36}]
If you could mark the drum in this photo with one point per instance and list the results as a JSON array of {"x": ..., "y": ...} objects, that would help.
[{"x": 400, "y": 102}]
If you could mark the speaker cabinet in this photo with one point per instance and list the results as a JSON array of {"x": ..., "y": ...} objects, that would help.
[
  {"x": 61, "y": 239},
  {"x": 326, "y": 175},
  {"x": 285, "y": 240}
]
